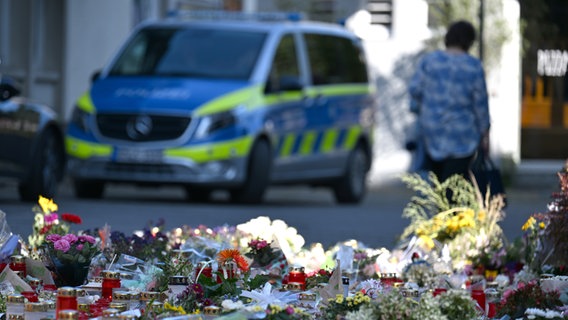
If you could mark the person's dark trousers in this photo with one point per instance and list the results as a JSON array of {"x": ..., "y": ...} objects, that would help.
[{"x": 448, "y": 167}]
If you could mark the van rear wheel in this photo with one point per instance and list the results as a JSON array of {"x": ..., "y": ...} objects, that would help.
[
  {"x": 352, "y": 186},
  {"x": 88, "y": 189},
  {"x": 47, "y": 169},
  {"x": 258, "y": 177}
]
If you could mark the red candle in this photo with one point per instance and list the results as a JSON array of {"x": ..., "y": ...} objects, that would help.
[
  {"x": 297, "y": 275},
  {"x": 205, "y": 270},
  {"x": 31, "y": 296},
  {"x": 111, "y": 280},
  {"x": 479, "y": 296},
  {"x": 18, "y": 263},
  {"x": 438, "y": 291},
  {"x": 66, "y": 299}
]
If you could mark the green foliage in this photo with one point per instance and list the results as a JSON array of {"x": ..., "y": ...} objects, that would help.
[
  {"x": 458, "y": 305},
  {"x": 431, "y": 198}
]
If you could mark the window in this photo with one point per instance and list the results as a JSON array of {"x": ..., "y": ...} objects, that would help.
[
  {"x": 284, "y": 71},
  {"x": 195, "y": 52},
  {"x": 335, "y": 60}
]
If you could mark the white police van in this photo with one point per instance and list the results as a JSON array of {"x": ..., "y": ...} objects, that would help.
[{"x": 233, "y": 103}]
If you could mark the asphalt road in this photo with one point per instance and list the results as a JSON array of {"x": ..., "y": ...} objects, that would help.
[{"x": 376, "y": 222}]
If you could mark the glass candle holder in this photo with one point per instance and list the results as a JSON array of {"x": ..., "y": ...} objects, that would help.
[
  {"x": 15, "y": 305},
  {"x": 492, "y": 299},
  {"x": 111, "y": 280},
  {"x": 18, "y": 264},
  {"x": 176, "y": 285},
  {"x": 296, "y": 274},
  {"x": 66, "y": 300},
  {"x": 36, "y": 311}
]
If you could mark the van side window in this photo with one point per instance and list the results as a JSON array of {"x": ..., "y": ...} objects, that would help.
[
  {"x": 284, "y": 73},
  {"x": 335, "y": 60}
]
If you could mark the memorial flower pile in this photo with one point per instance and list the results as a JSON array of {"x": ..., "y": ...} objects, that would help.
[{"x": 241, "y": 272}]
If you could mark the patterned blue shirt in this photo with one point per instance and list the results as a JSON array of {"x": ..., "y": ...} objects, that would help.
[{"x": 449, "y": 95}]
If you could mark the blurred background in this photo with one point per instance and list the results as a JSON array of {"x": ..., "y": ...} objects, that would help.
[{"x": 53, "y": 47}]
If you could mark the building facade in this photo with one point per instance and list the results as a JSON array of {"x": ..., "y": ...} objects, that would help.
[{"x": 52, "y": 48}]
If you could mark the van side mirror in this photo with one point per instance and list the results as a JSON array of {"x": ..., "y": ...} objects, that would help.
[{"x": 8, "y": 89}]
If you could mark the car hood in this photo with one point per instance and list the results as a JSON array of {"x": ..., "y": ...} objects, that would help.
[{"x": 171, "y": 95}]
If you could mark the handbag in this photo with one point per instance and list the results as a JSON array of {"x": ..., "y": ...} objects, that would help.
[{"x": 487, "y": 175}]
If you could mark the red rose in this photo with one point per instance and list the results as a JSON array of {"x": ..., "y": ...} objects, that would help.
[{"x": 71, "y": 218}]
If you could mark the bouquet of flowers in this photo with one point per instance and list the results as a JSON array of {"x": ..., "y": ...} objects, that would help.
[
  {"x": 47, "y": 221},
  {"x": 71, "y": 249},
  {"x": 527, "y": 295},
  {"x": 261, "y": 252},
  {"x": 69, "y": 257}
]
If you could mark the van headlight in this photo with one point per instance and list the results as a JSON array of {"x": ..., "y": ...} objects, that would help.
[
  {"x": 80, "y": 118},
  {"x": 214, "y": 122}
]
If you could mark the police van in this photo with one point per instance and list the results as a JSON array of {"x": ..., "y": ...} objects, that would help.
[{"x": 234, "y": 103}]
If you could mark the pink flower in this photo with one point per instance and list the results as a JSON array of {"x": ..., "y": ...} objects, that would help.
[
  {"x": 53, "y": 237},
  {"x": 71, "y": 238},
  {"x": 80, "y": 246},
  {"x": 62, "y": 245},
  {"x": 262, "y": 244},
  {"x": 508, "y": 293},
  {"x": 87, "y": 238},
  {"x": 289, "y": 310},
  {"x": 50, "y": 218}
]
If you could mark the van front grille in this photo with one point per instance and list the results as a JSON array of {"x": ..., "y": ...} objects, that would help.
[{"x": 141, "y": 127}]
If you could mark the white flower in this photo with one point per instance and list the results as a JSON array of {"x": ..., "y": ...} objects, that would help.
[
  {"x": 230, "y": 305},
  {"x": 372, "y": 288},
  {"x": 548, "y": 314},
  {"x": 267, "y": 296}
]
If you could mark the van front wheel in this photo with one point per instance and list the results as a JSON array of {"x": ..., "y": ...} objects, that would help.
[
  {"x": 352, "y": 186},
  {"x": 258, "y": 177}
]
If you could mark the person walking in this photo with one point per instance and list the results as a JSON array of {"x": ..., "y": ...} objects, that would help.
[{"x": 449, "y": 96}]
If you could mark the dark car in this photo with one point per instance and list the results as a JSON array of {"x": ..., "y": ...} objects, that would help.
[{"x": 31, "y": 142}]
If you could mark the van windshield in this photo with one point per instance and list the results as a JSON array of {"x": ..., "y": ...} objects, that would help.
[{"x": 190, "y": 52}]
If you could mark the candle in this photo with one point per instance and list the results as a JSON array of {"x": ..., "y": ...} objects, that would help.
[{"x": 111, "y": 280}]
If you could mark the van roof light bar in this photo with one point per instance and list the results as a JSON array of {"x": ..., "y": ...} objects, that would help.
[{"x": 234, "y": 15}]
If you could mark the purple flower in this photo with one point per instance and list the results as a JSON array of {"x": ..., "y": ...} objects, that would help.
[
  {"x": 50, "y": 218},
  {"x": 62, "y": 245},
  {"x": 53, "y": 237},
  {"x": 71, "y": 238},
  {"x": 80, "y": 246},
  {"x": 87, "y": 238},
  {"x": 289, "y": 310}
]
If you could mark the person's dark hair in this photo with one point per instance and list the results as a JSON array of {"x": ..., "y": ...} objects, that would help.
[{"x": 461, "y": 34}]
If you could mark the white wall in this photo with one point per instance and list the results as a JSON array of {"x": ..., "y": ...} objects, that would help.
[
  {"x": 504, "y": 86},
  {"x": 95, "y": 30}
]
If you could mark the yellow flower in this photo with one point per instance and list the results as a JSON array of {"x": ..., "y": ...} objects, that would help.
[
  {"x": 47, "y": 205},
  {"x": 427, "y": 242},
  {"x": 177, "y": 309},
  {"x": 339, "y": 299},
  {"x": 481, "y": 215},
  {"x": 542, "y": 225},
  {"x": 529, "y": 224}
]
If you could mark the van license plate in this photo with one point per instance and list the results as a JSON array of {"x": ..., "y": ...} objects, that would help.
[{"x": 138, "y": 155}]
